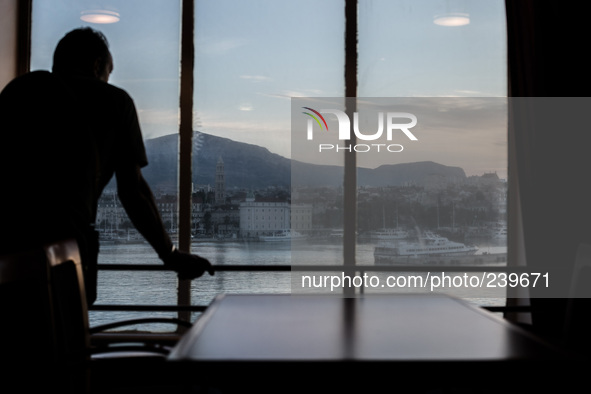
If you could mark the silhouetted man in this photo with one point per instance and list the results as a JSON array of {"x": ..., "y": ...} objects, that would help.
[{"x": 63, "y": 136}]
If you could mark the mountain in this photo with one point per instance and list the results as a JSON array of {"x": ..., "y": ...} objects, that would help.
[
  {"x": 245, "y": 165},
  {"x": 253, "y": 167},
  {"x": 419, "y": 173}
]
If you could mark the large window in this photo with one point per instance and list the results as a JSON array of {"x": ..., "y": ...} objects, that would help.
[{"x": 251, "y": 59}]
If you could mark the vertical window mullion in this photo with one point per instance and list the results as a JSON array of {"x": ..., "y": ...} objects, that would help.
[
  {"x": 24, "y": 12},
  {"x": 350, "y": 177},
  {"x": 185, "y": 144}
]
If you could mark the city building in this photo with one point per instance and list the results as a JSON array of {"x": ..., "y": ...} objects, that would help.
[
  {"x": 220, "y": 183},
  {"x": 265, "y": 216}
]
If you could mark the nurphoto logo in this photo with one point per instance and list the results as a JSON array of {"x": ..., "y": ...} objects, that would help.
[{"x": 393, "y": 126}]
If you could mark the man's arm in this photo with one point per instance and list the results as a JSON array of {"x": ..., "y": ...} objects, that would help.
[{"x": 140, "y": 205}]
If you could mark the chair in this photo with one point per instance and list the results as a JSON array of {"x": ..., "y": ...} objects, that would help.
[
  {"x": 48, "y": 338},
  {"x": 27, "y": 332}
]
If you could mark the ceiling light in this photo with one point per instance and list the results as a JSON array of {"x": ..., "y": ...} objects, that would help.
[
  {"x": 99, "y": 16},
  {"x": 452, "y": 19}
]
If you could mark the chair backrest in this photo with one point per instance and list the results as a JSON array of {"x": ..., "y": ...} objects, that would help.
[
  {"x": 27, "y": 332},
  {"x": 68, "y": 300},
  {"x": 44, "y": 330}
]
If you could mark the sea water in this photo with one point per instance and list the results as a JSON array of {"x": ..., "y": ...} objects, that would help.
[{"x": 160, "y": 287}]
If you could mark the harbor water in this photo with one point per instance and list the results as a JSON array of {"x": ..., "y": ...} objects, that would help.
[{"x": 160, "y": 287}]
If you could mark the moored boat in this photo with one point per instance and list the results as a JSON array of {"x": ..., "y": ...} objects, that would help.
[
  {"x": 282, "y": 236},
  {"x": 385, "y": 234},
  {"x": 432, "y": 249}
]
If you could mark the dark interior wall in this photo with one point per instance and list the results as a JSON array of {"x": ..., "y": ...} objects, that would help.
[{"x": 546, "y": 58}]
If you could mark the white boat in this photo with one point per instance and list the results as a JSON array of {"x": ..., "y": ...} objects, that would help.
[
  {"x": 432, "y": 249},
  {"x": 282, "y": 236},
  {"x": 387, "y": 234}
]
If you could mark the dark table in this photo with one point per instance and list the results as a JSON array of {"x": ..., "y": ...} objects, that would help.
[{"x": 299, "y": 335}]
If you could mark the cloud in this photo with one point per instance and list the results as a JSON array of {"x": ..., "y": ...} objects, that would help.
[
  {"x": 220, "y": 46},
  {"x": 288, "y": 94}
]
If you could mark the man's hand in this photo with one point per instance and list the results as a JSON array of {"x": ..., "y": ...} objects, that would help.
[{"x": 187, "y": 266}]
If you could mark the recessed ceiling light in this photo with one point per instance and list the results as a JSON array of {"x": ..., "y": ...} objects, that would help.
[
  {"x": 452, "y": 19},
  {"x": 99, "y": 16}
]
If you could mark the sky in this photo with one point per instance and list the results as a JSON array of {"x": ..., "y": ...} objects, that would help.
[{"x": 252, "y": 57}]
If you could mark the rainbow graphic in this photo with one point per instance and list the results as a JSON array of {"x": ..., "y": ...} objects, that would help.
[{"x": 315, "y": 118}]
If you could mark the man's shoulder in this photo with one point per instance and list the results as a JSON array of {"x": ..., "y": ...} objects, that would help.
[
  {"x": 35, "y": 75},
  {"x": 33, "y": 78},
  {"x": 31, "y": 91}
]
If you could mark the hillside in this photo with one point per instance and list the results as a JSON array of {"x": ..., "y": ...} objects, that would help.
[{"x": 251, "y": 166}]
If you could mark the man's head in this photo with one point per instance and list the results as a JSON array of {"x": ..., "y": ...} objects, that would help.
[{"x": 83, "y": 52}]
